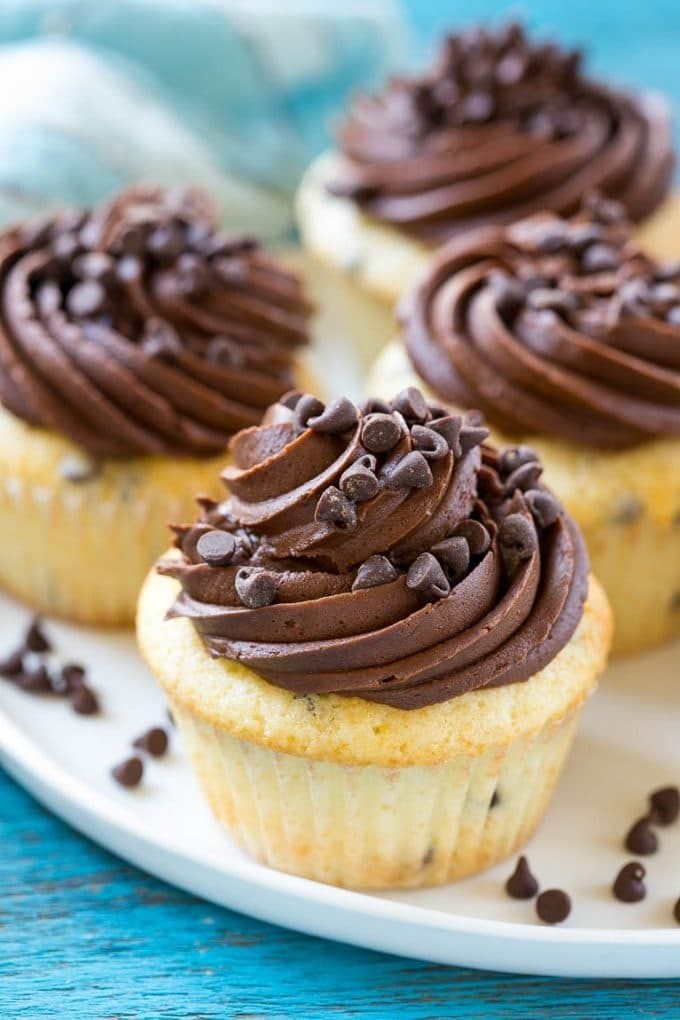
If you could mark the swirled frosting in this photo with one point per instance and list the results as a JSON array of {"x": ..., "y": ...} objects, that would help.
[
  {"x": 139, "y": 328},
  {"x": 555, "y": 327},
  {"x": 499, "y": 128},
  {"x": 383, "y": 553}
]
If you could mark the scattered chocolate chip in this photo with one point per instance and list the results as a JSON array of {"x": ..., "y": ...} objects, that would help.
[
  {"x": 629, "y": 886},
  {"x": 307, "y": 406},
  {"x": 154, "y": 741},
  {"x": 544, "y": 507},
  {"x": 411, "y": 472},
  {"x": 524, "y": 477},
  {"x": 36, "y": 640},
  {"x": 412, "y": 405},
  {"x": 430, "y": 443},
  {"x": 191, "y": 275},
  {"x": 72, "y": 676},
  {"x": 551, "y": 299},
  {"x": 359, "y": 482},
  {"x": 514, "y": 457},
  {"x": 449, "y": 426},
  {"x": 522, "y": 884},
  {"x": 129, "y": 773},
  {"x": 95, "y": 265},
  {"x": 374, "y": 571},
  {"x": 335, "y": 508},
  {"x": 339, "y": 416},
  {"x": 517, "y": 539},
  {"x": 454, "y": 553},
  {"x": 599, "y": 258},
  {"x": 78, "y": 468},
  {"x": 553, "y": 906},
  {"x": 83, "y": 700},
  {"x": 508, "y": 294},
  {"x": 34, "y": 681},
  {"x": 426, "y": 576},
  {"x": 129, "y": 268},
  {"x": 86, "y": 299},
  {"x": 475, "y": 534},
  {"x": 471, "y": 436},
  {"x": 216, "y": 548},
  {"x": 255, "y": 588},
  {"x": 12, "y": 665},
  {"x": 380, "y": 432},
  {"x": 165, "y": 241},
  {"x": 664, "y": 805},
  {"x": 641, "y": 838}
]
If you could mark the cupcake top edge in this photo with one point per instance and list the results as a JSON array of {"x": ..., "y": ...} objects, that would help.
[
  {"x": 553, "y": 326},
  {"x": 499, "y": 127},
  {"x": 382, "y": 551},
  {"x": 139, "y": 327}
]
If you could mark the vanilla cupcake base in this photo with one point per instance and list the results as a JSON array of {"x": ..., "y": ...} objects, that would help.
[
  {"x": 385, "y": 261},
  {"x": 363, "y": 795},
  {"x": 627, "y": 504}
]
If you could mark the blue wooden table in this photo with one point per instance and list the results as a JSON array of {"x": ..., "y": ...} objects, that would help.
[{"x": 83, "y": 935}]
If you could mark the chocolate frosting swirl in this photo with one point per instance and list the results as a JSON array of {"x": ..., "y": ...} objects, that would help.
[
  {"x": 139, "y": 328},
  {"x": 499, "y": 128},
  {"x": 554, "y": 327},
  {"x": 382, "y": 553}
]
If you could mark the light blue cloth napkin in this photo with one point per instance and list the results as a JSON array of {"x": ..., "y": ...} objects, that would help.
[{"x": 236, "y": 95}]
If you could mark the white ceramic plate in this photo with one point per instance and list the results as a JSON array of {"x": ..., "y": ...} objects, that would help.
[{"x": 628, "y": 745}]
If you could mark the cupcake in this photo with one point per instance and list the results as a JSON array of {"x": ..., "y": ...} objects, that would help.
[
  {"x": 378, "y": 646},
  {"x": 567, "y": 337},
  {"x": 135, "y": 340},
  {"x": 500, "y": 127}
]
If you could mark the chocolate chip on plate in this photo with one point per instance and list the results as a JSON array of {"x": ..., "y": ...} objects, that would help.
[
  {"x": 36, "y": 639},
  {"x": 522, "y": 884},
  {"x": 641, "y": 838},
  {"x": 154, "y": 741},
  {"x": 629, "y": 885},
  {"x": 553, "y": 906},
  {"x": 664, "y": 805},
  {"x": 129, "y": 772},
  {"x": 83, "y": 700}
]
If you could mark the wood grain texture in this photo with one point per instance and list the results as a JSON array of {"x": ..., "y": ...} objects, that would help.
[{"x": 83, "y": 935}]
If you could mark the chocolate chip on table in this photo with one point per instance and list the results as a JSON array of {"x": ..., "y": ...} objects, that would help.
[
  {"x": 454, "y": 553},
  {"x": 411, "y": 403},
  {"x": 129, "y": 772},
  {"x": 641, "y": 838},
  {"x": 430, "y": 443},
  {"x": 522, "y": 884},
  {"x": 216, "y": 548},
  {"x": 426, "y": 576},
  {"x": 83, "y": 700},
  {"x": 36, "y": 639},
  {"x": 376, "y": 570},
  {"x": 154, "y": 741},
  {"x": 335, "y": 508},
  {"x": 339, "y": 416},
  {"x": 475, "y": 534},
  {"x": 308, "y": 406},
  {"x": 545, "y": 508},
  {"x": 517, "y": 539},
  {"x": 34, "y": 681},
  {"x": 629, "y": 885},
  {"x": 553, "y": 906},
  {"x": 255, "y": 588},
  {"x": 380, "y": 432},
  {"x": 411, "y": 472},
  {"x": 359, "y": 482},
  {"x": 664, "y": 805},
  {"x": 12, "y": 664}
]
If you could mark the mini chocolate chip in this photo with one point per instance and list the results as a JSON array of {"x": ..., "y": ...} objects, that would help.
[
  {"x": 340, "y": 416},
  {"x": 629, "y": 886},
  {"x": 154, "y": 741},
  {"x": 291, "y": 399},
  {"x": 599, "y": 258},
  {"x": 412, "y": 405},
  {"x": 551, "y": 299},
  {"x": 641, "y": 838},
  {"x": 430, "y": 443},
  {"x": 359, "y": 482},
  {"x": 86, "y": 299},
  {"x": 65, "y": 247},
  {"x": 582, "y": 235},
  {"x": 308, "y": 406},
  {"x": 508, "y": 294},
  {"x": 522, "y": 884},
  {"x": 545, "y": 508},
  {"x": 83, "y": 700},
  {"x": 523, "y": 477},
  {"x": 553, "y": 906},
  {"x": 475, "y": 534},
  {"x": 95, "y": 265},
  {"x": 335, "y": 508},
  {"x": 478, "y": 107},
  {"x": 191, "y": 274},
  {"x": 129, "y": 772},
  {"x": 411, "y": 472},
  {"x": 166, "y": 241},
  {"x": 129, "y": 268},
  {"x": 380, "y": 432},
  {"x": 552, "y": 239},
  {"x": 162, "y": 341},
  {"x": 664, "y": 805},
  {"x": 449, "y": 426},
  {"x": 216, "y": 548},
  {"x": 517, "y": 539},
  {"x": 255, "y": 588},
  {"x": 605, "y": 210},
  {"x": 36, "y": 639},
  {"x": 471, "y": 436},
  {"x": 34, "y": 681},
  {"x": 454, "y": 552},
  {"x": 374, "y": 405},
  {"x": 673, "y": 316},
  {"x": 374, "y": 571},
  {"x": 426, "y": 576},
  {"x": 78, "y": 468},
  {"x": 515, "y": 456},
  {"x": 12, "y": 665},
  {"x": 72, "y": 676}
]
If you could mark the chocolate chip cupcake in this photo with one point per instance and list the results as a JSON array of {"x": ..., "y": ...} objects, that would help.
[
  {"x": 567, "y": 337},
  {"x": 378, "y": 646},
  {"x": 135, "y": 340},
  {"x": 500, "y": 127}
]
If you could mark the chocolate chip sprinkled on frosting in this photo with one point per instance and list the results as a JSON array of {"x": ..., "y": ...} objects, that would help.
[
  {"x": 499, "y": 127},
  {"x": 641, "y": 838},
  {"x": 522, "y": 884},
  {"x": 553, "y": 906},
  {"x": 216, "y": 548},
  {"x": 139, "y": 328},
  {"x": 363, "y": 568},
  {"x": 629, "y": 885},
  {"x": 586, "y": 351}
]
